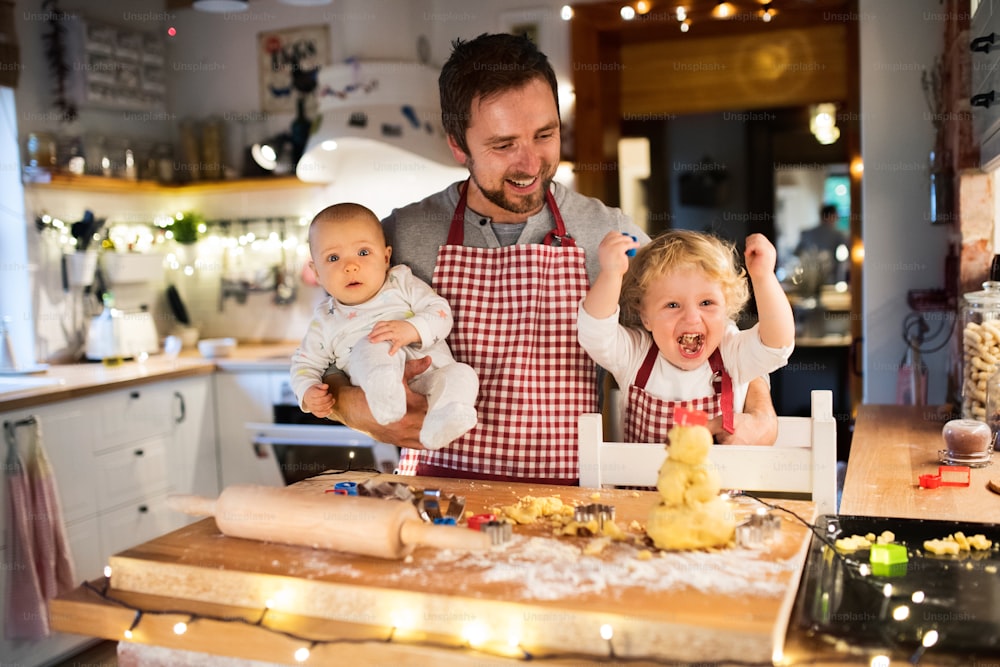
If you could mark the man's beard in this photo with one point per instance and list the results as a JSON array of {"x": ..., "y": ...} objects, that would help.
[{"x": 521, "y": 204}]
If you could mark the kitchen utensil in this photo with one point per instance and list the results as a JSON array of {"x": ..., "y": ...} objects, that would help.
[
  {"x": 353, "y": 524},
  {"x": 177, "y": 306},
  {"x": 213, "y": 348}
]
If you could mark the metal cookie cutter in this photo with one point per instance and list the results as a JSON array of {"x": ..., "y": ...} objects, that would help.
[
  {"x": 594, "y": 511},
  {"x": 499, "y": 531},
  {"x": 393, "y": 490},
  {"x": 762, "y": 527},
  {"x": 428, "y": 504}
]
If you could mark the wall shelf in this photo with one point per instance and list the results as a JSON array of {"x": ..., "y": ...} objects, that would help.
[{"x": 118, "y": 185}]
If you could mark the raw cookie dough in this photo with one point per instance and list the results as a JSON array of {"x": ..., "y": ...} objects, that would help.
[{"x": 690, "y": 515}]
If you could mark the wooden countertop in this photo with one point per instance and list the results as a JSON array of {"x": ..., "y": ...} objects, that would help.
[
  {"x": 892, "y": 446},
  {"x": 698, "y": 606},
  {"x": 76, "y": 380}
]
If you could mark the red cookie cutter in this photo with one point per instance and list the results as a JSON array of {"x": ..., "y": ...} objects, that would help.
[
  {"x": 478, "y": 520},
  {"x": 947, "y": 476}
]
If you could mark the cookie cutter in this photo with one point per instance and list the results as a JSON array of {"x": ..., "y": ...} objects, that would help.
[
  {"x": 499, "y": 531},
  {"x": 344, "y": 489},
  {"x": 761, "y": 528},
  {"x": 392, "y": 490},
  {"x": 592, "y": 512},
  {"x": 428, "y": 504},
  {"x": 947, "y": 476}
]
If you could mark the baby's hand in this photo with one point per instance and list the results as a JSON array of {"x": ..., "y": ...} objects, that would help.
[
  {"x": 317, "y": 400},
  {"x": 612, "y": 252},
  {"x": 760, "y": 255},
  {"x": 398, "y": 332}
]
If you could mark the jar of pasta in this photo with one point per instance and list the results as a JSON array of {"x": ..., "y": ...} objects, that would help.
[{"x": 980, "y": 347}]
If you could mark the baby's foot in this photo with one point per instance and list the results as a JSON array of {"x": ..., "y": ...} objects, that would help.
[
  {"x": 386, "y": 396},
  {"x": 445, "y": 424}
]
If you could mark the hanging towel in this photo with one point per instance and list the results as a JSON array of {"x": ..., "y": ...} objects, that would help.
[{"x": 40, "y": 566}]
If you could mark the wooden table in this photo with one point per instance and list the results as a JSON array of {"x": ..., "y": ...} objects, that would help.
[
  {"x": 892, "y": 446},
  {"x": 538, "y": 594}
]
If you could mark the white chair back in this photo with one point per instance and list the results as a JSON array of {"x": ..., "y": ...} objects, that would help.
[{"x": 802, "y": 460}]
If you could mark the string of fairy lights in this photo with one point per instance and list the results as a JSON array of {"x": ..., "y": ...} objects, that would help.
[{"x": 473, "y": 639}]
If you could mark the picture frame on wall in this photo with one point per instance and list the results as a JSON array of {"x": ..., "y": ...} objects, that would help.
[{"x": 288, "y": 64}]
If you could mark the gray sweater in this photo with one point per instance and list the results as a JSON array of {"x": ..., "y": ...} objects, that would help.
[{"x": 417, "y": 230}]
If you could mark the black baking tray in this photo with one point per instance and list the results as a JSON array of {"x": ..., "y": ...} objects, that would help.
[{"x": 960, "y": 594}]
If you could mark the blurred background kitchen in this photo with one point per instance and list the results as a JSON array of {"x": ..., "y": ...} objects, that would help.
[{"x": 142, "y": 131}]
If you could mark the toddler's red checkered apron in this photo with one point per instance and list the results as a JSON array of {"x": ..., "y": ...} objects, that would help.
[
  {"x": 515, "y": 323},
  {"x": 648, "y": 418}
]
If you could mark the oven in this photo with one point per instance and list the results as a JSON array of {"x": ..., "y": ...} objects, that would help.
[{"x": 303, "y": 445}]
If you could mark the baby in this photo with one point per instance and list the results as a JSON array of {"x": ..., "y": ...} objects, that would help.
[
  {"x": 373, "y": 313},
  {"x": 678, "y": 344}
]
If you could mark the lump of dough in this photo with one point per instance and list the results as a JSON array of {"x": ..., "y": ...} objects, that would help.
[
  {"x": 701, "y": 526},
  {"x": 689, "y": 444}
]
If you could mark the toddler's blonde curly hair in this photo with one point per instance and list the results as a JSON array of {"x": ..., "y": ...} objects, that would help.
[{"x": 677, "y": 249}]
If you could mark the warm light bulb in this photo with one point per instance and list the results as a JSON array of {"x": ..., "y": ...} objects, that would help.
[
  {"x": 685, "y": 25},
  {"x": 566, "y": 13},
  {"x": 681, "y": 13},
  {"x": 302, "y": 654},
  {"x": 879, "y": 661},
  {"x": 901, "y": 613},
  {"x": 128, "y": 634},
  {"x": 107, "y": 570},
  {"x": 930, "y": 638},
  {"x": 474, "y": 633},
  {"x": 607, "y": 632},
  {"x": 628, "y": 12},
  {"x": 180, "y": 628},
  {"x": 723, "y": 10},
  {"x": 643, "y": 7}
]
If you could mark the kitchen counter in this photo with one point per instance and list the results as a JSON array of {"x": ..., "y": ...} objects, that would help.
[
  {"x": 892, "y": 446},
  {"x": 451, "y": 607},
  {"x": 67, "y": 381}
]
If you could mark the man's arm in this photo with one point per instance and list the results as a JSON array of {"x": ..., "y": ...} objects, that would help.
[
  {"x": 756, "y": 425},
  {"x": 350, "y": 407}
]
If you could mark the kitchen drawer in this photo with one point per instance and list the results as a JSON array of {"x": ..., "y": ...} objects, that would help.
[
  {"x": 138, "y": 522},
  {"x": 126, "y": 474},
  {"x": 136, "y": 414}
]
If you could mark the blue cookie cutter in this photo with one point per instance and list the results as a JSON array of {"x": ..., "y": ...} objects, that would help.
[{"x": 631, "y": 252}]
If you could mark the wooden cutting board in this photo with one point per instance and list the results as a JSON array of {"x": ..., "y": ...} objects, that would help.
[{"x": 541, "y": 589}]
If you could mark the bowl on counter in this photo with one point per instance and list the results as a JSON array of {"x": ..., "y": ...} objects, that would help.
[{"x": 213, "y": 348}]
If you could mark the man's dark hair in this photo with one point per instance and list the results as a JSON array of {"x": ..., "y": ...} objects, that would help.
[
  {"x": 828, "y": 210},
  {"x": 485, "y": 66}
]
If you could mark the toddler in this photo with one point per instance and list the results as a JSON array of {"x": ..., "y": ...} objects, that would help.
[
  {"x": 678, "y": 344},
  {"x": 375, "y": 319}
]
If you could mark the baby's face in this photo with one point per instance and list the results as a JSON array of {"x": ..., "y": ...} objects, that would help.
[
  {"x": 685, "y": 311},
  {"x": 350, "y": 258}
]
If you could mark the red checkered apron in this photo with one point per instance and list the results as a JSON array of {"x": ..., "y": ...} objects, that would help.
[
  {"x": 515, "y": 323},
  {"x": 648, "y": 418}
]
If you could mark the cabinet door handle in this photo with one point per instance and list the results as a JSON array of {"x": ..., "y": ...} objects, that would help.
[
  {"x": 143, "y": 509},
  {"x": 180, "y": 401},
  {"x": 139, "y": 452},
  {"x": 983, "y": 44},
  {"x": 983, "y": 99},
  {"x": 133, "y": 395}
]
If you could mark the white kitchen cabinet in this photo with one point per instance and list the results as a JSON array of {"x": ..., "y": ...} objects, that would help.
[
  {"x": 246, "y": 397},
  {"x": 984, "y": 42},
  {"x": 115, "y": 457}
]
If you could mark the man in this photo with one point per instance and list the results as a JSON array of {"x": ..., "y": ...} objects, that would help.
[
  {"x": 513, "y": 253},
  {"x": 823, "y": 240}
]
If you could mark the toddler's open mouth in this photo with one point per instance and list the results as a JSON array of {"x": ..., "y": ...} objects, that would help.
[{"x": 691, "y": 343}]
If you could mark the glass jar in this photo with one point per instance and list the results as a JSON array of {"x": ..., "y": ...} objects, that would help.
[{"x": 980, "y": 347}]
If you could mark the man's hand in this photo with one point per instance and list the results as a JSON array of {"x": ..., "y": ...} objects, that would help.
[
  {"x": 756, "y": 425},
  {"x": 399, "y": 333},
  {"x": 351, "y": 408}
]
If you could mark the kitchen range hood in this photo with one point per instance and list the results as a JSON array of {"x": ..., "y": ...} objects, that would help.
[{"x": 377, "y": 117}]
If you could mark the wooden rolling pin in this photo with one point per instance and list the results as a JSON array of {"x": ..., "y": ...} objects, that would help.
[{"x": 353, "y": 524}]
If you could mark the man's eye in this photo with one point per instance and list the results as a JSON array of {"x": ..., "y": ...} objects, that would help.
[
  {"x": 503, "y": 147},
  {"x": 546, "y": 135},
  {"x": 364, "y": 252}
]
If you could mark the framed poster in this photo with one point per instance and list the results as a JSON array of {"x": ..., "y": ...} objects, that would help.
[{"x": 288, "y": 63}]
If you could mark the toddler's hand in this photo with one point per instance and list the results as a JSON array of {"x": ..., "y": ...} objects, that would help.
[
  {"x": 317, "y": 400},
  {"x": 612, "y": 253},
  {"x": 399, "y": 333},
  {"x": 760, "y": 255}
]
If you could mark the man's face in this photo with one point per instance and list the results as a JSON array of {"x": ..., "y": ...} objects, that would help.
[{"x": 513, "y": 141}]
